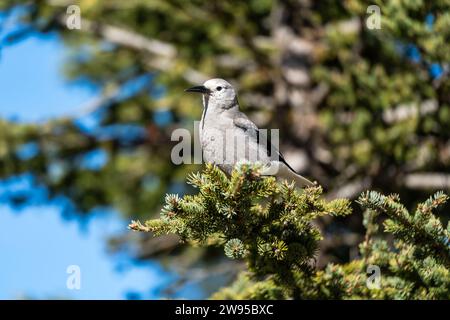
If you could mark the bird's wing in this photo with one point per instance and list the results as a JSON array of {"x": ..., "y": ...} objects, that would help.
[{"x": 243, "y": 122}]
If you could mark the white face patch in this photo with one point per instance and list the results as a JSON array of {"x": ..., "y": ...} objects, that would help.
[{"x": 221, "y": 93}]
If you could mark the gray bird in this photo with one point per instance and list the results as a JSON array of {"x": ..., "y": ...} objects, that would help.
[{"x": 229, "y": 137}]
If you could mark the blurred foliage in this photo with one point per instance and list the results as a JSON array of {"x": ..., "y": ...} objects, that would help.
[
  {"x": 269, "y": 225},
  {"x": 359, "y": 109}
]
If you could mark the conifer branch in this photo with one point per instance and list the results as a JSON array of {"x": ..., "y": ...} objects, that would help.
[{"x": 267, "y": 223}]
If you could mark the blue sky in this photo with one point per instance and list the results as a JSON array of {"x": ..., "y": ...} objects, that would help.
[
  {"x": 36, "y": 244},
  {"x": 32, "y": 85}
]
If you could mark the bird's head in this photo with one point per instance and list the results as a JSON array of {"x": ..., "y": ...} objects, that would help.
[{"x": 218, "y": 92}]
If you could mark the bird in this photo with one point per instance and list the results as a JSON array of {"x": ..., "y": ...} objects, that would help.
[{"x": 228, "y": 137}]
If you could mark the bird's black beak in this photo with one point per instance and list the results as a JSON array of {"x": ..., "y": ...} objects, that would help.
[{"x": 201, "y": 89}]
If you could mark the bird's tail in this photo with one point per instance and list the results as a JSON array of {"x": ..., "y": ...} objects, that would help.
[
  {"x": 301, "y": 180},
  {"x": 280, "y": 170}
]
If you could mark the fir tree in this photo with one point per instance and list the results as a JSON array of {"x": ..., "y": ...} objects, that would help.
[{"x": 270, "y": 225}]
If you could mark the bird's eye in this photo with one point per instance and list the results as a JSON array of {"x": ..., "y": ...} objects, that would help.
[{"x": 219, "y": 88}]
